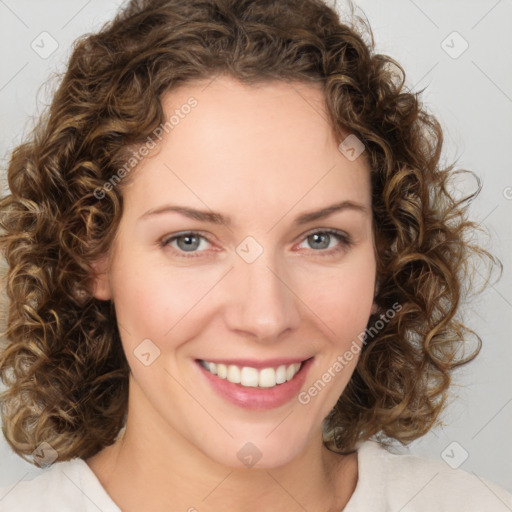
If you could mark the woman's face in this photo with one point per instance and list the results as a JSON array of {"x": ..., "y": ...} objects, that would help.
[{"x": 256, "y": 291}]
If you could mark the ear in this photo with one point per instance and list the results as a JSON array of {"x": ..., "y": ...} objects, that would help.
[
  {"x": 374, "y": 309},
  {"x": 100, "y": 283}
]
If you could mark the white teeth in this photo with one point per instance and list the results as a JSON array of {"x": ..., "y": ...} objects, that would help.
[
  {"x": 267, "y": 378},
  {"x": 281, "y": 374},
  {"x": 222, "y": 371},
  {"x": 291, "y": 371},
  {"x": 233, "y": 374},
  {"x": 252, "y": 377},
  {"x": 249, "y": 377}
]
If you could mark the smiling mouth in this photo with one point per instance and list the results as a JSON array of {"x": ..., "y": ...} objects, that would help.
[{"x": 250, "y": 377}]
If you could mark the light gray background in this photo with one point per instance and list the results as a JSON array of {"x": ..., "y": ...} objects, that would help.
[{"x": 472, "y": 97}]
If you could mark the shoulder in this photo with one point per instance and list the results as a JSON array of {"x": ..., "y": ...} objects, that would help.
[
  {"x": 410, "y": 483},
  {"x": 64, "y": 486}
]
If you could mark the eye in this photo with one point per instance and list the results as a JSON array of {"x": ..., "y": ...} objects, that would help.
[
  {"x": 189, "y": 242},
  {"x": 321, "y": 239}
]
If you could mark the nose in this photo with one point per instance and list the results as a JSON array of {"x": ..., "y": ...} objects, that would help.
[{"x": 262, "y": 302}]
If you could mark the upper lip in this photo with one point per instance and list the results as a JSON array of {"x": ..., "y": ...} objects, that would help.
[{"x": 254, "y": 363}]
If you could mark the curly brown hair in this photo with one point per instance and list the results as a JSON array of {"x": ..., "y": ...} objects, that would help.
[{"x": 62, "y": 360}]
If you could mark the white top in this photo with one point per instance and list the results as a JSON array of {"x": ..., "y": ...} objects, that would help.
[{"x": 387, "y": 483}]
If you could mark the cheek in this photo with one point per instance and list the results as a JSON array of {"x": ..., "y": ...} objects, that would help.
[
  {"x": 155, "y": 303},
  {"x": 342, "y": 299}
]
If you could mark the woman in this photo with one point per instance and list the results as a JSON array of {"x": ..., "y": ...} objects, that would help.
[{"x": 234, "y": 272}]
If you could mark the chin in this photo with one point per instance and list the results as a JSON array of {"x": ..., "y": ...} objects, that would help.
[{"x": 262, "y": 451}]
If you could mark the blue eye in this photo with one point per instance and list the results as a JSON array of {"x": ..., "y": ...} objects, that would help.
[
  {"x": 191, "y": 241},
  {"x": 187, "y": 242},
  {"x": 323, "y": 238}
]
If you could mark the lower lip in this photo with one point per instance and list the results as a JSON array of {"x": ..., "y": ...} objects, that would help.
[{"x": 258, "y": 398}]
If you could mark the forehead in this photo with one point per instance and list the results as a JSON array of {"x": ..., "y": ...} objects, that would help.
[
  {"x": 270, "y": 142},
  {"x": 268, "y": 115}
]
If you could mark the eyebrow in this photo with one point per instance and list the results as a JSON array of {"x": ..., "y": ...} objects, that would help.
[{"x": 218, "y": 218}]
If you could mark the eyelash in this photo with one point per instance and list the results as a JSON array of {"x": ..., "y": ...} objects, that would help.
[{"x": 346, "y": 242}]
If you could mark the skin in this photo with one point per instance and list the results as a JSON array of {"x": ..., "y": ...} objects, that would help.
[{"x": 261, "y": 155}]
